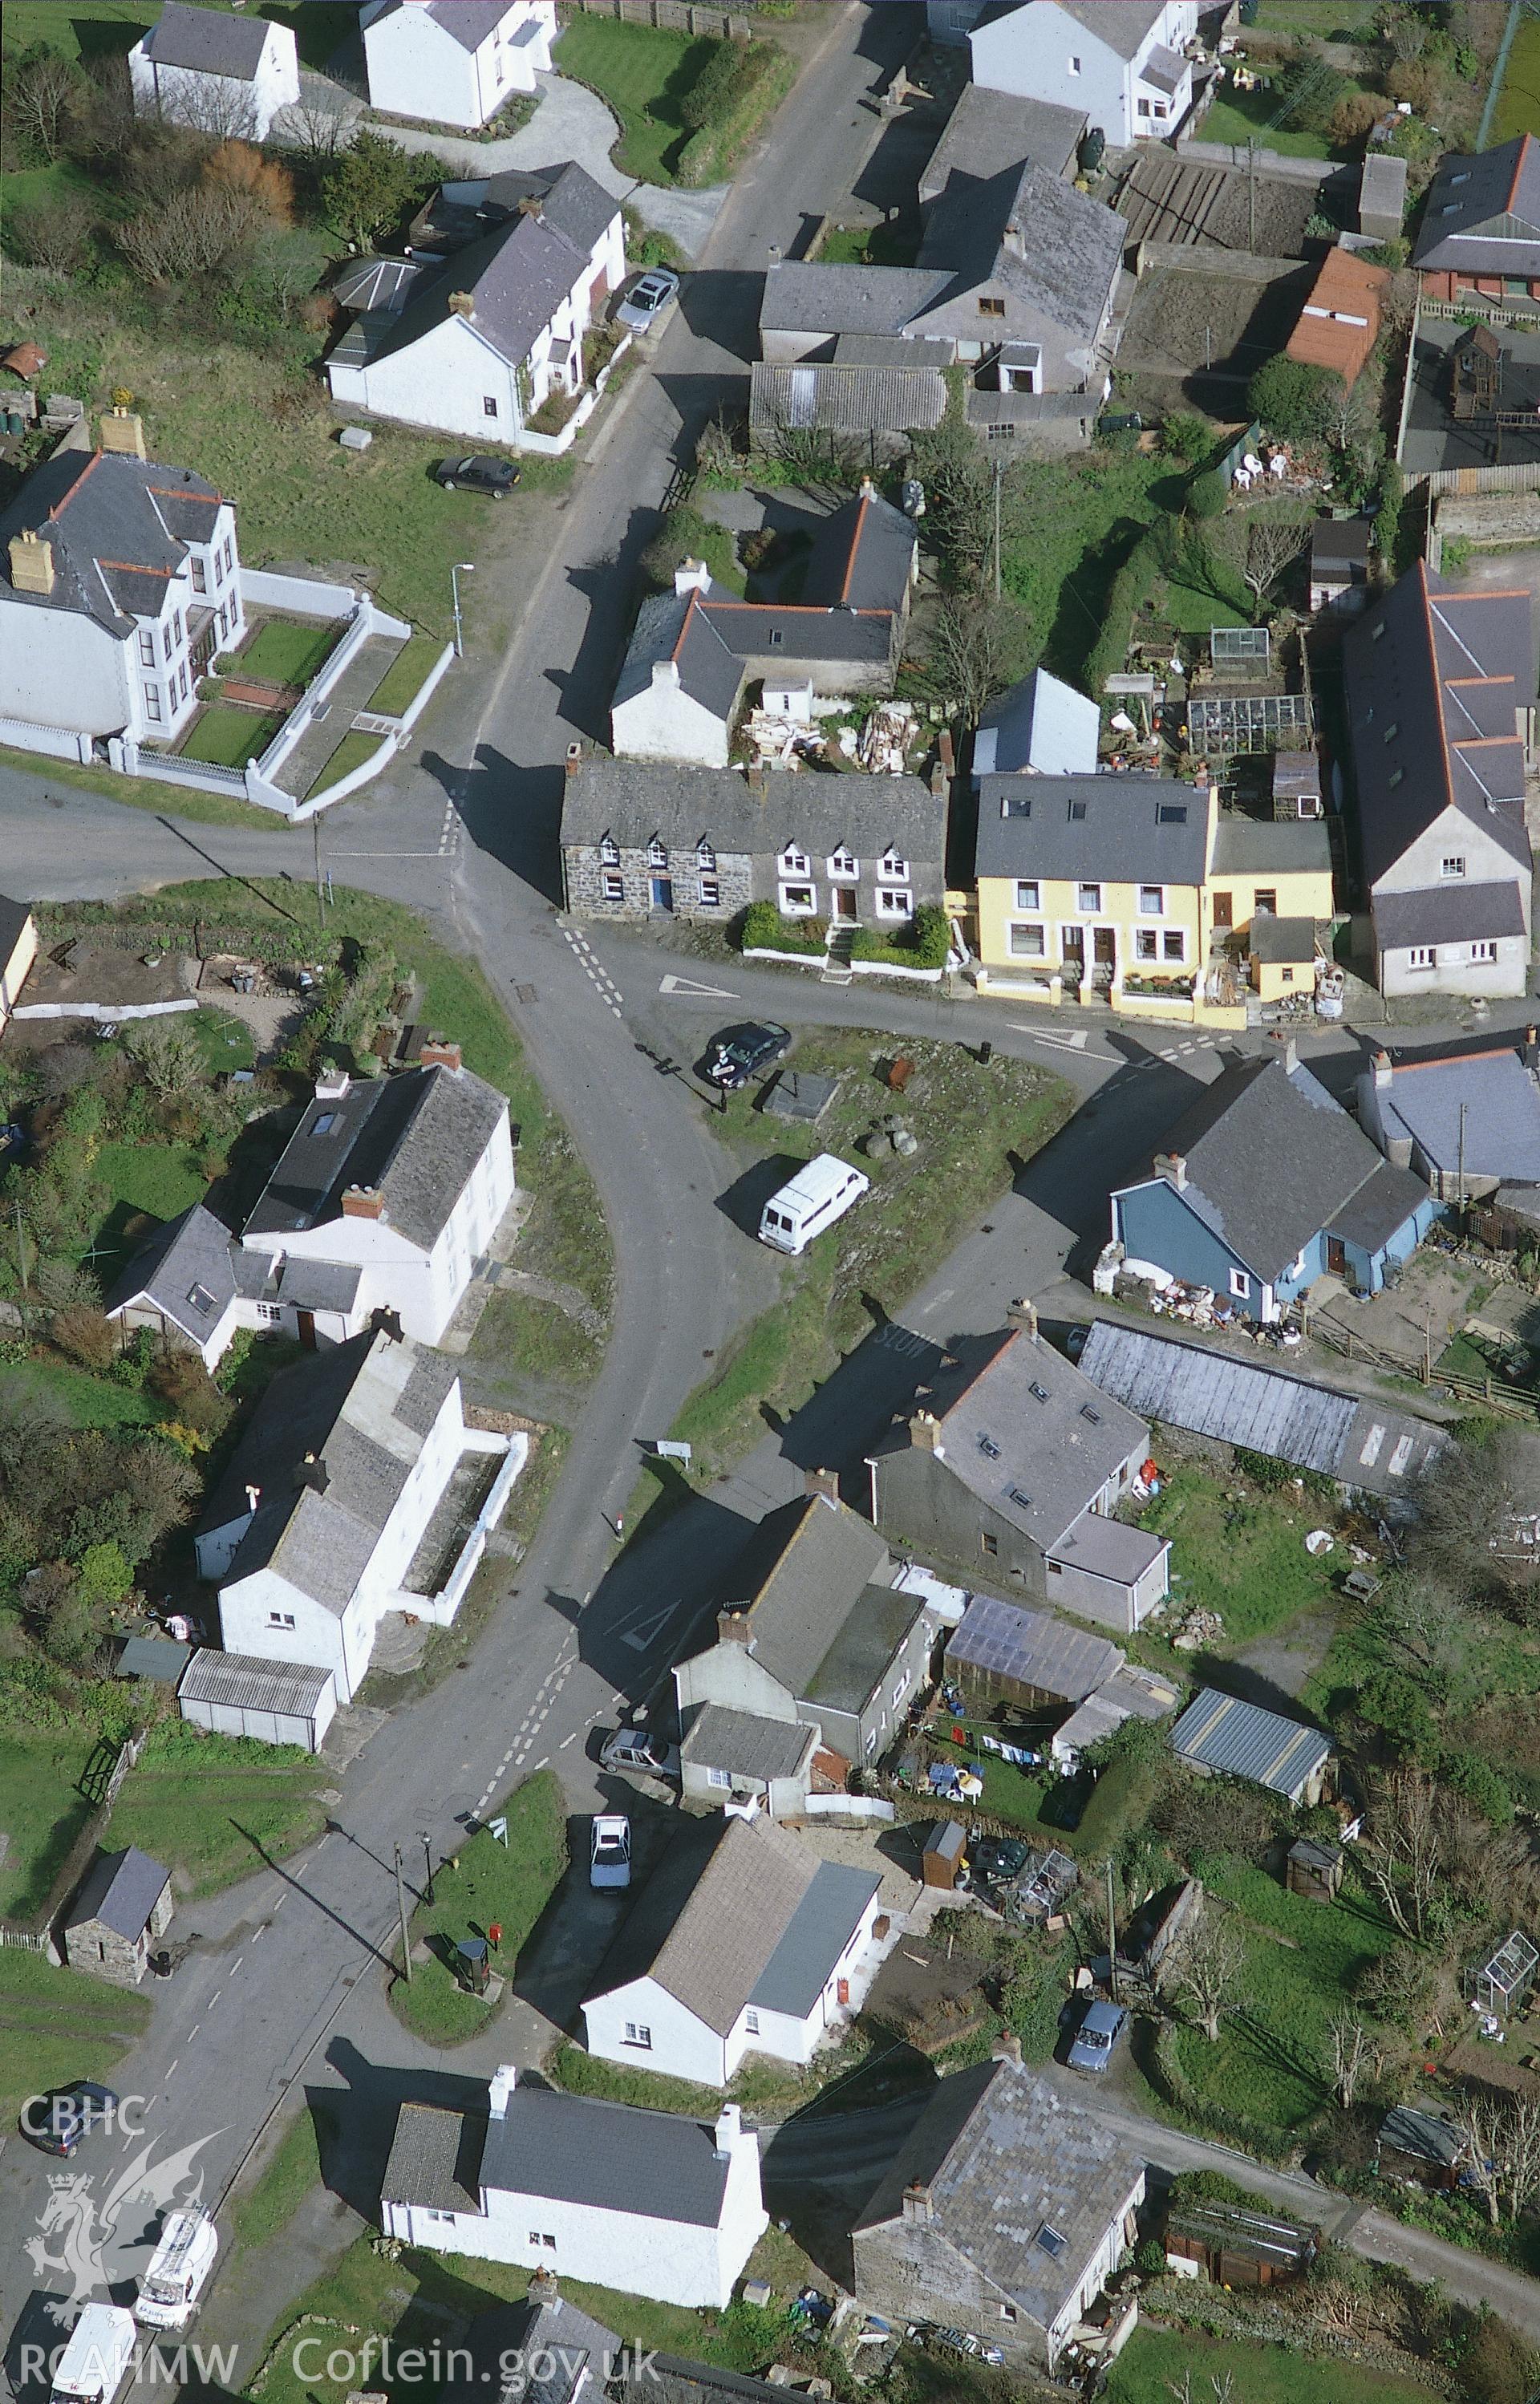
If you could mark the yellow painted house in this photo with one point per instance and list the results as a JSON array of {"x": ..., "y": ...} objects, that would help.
[{"x": 1118, "y": 885}]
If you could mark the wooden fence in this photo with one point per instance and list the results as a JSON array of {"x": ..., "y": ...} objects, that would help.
[
  {"x": 671, "y": 16},
  {"x": 1488, "y": 1390}
]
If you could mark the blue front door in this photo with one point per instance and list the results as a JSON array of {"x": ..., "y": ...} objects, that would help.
[{"x": 663, "y": 893}]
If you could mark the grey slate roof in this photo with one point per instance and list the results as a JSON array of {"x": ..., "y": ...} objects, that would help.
[
  {"x": 575, "y": 2149},
  {"x": 1362, "y": 1445},
  {"x": 1041, "y": 723},
  {"x": 536, "y": 2352},
  {"x": 1032, "y": 1647},
  {"x": 1032, "y": 1438},
  {"x": 1108, "y": 1548},
  {"x": 1456, "y": 913},
  {"x": 418, "y": 1136},
  {"x": 1220, "y": 1734},
  {"x": 120, "y": 1890},
  {"x": 1278, "y": 941},
  {"x": 571, "y": 202},
  {"x": 990, "y": 134},
  {"x": 633, "y": 799},
  {"x": 208, "y": 41},
  {"x": 671, "y": 2379},
  {"x": 159, "y": 1657},
  {"x": 1483, "y": 212},
  {"x": 1434, "y": 678},
  {"x": 1122, "y": 25},
  {"x": 1271, "y": 1161},
  {"x": 743, "y": 1912},
  {"x": 435, "y": 2158},
  {"x": 465, "y": 22},
  {"x": 867, "y": 1641},
  {"x": 14, "y": 919},
  {"x": 1500, "y": 1098},
  {"x": 839, "y": 397},
  {"x": 798, "y": 1577},
  {"x": 187, "y": 1271},
  {"x": 246, "y": 1682},
  {"x": 108, "y": 517},
  {"x": 747, "y": 1745},
  {"x": 1128, "y": 829},
  {"x": 813, "y": 298},
  {"x": 1340, "y": 542},
  {"x": 1269, "y": 847},
  {"x": 862, "y": 556},
  {"x": 1065, "y": 264},
  {"x": 1005, "y": 2156},
  {"x": 361, "y": 1407},
  {"x": 518, "y": 275}
]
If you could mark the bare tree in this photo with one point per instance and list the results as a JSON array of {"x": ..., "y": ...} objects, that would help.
[
  {"x": 191, "y": 233},
  {"x": 317, "y": 125},
  {"x": 167, "y": 1054},
  {"x": 1402, "y": 1852},
  {"x": 1261, "y": 548},
  {"x": 1520, "y": 2154},
  {"x": 54, "y": 236},
  {"x": 1478, "y": 1528},
  {"x": 812, "y": 454},
  {"x": 977, "y": 647},
  {"x": 1208, "y": 1976},
  {"x": 1406, "y": 36},
  {"x": 1349, "y": 2055},
  {"x": 217, "y": 105},
  {"x": 1479, "y": 2121},
  {"x": 44, "y": 92}
]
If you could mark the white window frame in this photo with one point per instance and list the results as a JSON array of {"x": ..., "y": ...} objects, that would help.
[
  {"x": 200, "y": 575},
  {"x": 894, "y": 902},
  {"x": 1075, "y": 66},
  {"x": 719, "y": 1778},
  {"x": 1152, "y": 900},
  {"x": 750, "y": 2021},
  {"x": 609, "y": 853},
  {"x": 1028, "y": 893},
  {"x": 1091, "y": 908},
  {"x": 271, "y": 1312},
  {"x": 711, "y": 893},
  {"x": 794, "y": 862},
  {"x": 899, "y": 1692},
  {"x": 612, "y": 884},
  {"x": 893, "y": 869},
  {"x": 1423, "y": 955},
  {"x": 146, "y": 647},
  {"x": 1484, "y": 949},
  {"x": 1241, "y": 1285},
  {"x": 657, "y": 854},
  {"x": 1020, "y": 951},
  {"x": 1146, "y": 944},
  {"x": 639, "y": 2034},
  {"x": 799, "y": 901},
  {"x": 280, "y": 1619},
  {"x": 843, "y": 866},
  {"x": 1173, "y": 945},
  {"x": 1453, "y": 866},
  {"x": 489, "y": 404},
  {"x": 152, "y": 704},
  {"x": 706, "y": 859}
]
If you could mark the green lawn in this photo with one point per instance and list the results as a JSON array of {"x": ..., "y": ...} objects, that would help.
[
  {"x": 1242, "y": 117},
  {"x": 224, "y": 1041},
  {"x": 404, "y": 676},
  {"x": 213, "y": 1807},
  {"x": 141, "y": 792},
  {"x": 227, "y": 735},
  {"x": 56, "y": 2025},
  {"x": 642, "y": 73},
  {"x": 287, "y": 651},
  {"x": 351, "y": 752},
  {"x": 891, "y": 244},
  {"x": 1517, "y": 108},
  {"x": 1268, "y": 2061},
  {"x": 1247, "y": 1560},
  {"x": 1152, "y": 2366},
  {"x": 45, "y": 188},
  {"x": 1330, "y": 20},
  {"x": 291, "y": 2172},
  {"x": 79, "y": 1395},
  {"x": 90, "y": 28},
  {"x": 42, "y": 1811},
  {"x": 523, "y": 1336},
  {"x": 163, "y": 1178},
  {"x": 509, "y": 1885},
  {"x": 1122, "y": 1795}
]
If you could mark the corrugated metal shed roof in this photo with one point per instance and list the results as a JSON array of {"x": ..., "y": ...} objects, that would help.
[
  {"x": 1221, "y": 1733},
  {"x": 244, "y": 1681},
  {"x": 1032, "y": 1647},
  {"x": 153, "y": 1657}
]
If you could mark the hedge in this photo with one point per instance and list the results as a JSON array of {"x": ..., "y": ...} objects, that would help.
[
  {"x": 1131, "y": 588},
  {"x": 708, "y": 154}
]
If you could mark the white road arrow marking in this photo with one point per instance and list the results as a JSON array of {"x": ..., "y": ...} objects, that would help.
[
  {"x": 1075, "y": 1042},
  {"x": 701, "y": 992}
]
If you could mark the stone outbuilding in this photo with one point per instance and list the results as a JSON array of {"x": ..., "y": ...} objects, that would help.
[{"x": 122, "y": 1904}]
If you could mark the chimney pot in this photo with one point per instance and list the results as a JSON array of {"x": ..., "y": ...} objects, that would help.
[
  {"x": 732, "y": 1626},
  {"x": 1382, "y": 1070},
  {"x": 822, "y": 1481},
  {"x": 574, "y": 758},
  {"x": 331, "y": 1085},
  {"x": 363, "y": 1202},
  {"x": 544, "y": 2290},
  {"x": 917, "y": 2201},
  {"x": 1022, "y": 1314},
  {"x": 1172, "y": 1165},
  {"x": 1290, "y": 1056},
  {"x": 1531, "y": 1047},
  {"x": 775, "y": 254},
  {"x": 254, "y": 1495},
  {"x": 123, "y": 431},
  {"x": 439, "y": 1053},
  {"x": 868, "y": 490}
]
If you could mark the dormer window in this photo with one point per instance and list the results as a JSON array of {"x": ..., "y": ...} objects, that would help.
[
  {"x": 795, "y": 862},
  {"x": 895, "y": 868},
  {"x": 843, "y": 864},
  {"x": 657, "y": 853},
  {"x": 705, "y": 858},
  {"x": 609, "y": 853},
  {"x": 989, "y": 307}
]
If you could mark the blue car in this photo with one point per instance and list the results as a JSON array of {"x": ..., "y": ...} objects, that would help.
[{"x": 1096, "y": 2035}]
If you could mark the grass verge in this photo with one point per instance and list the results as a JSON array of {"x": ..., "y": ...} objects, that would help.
[
  {"x": 141, "y": 792},
  {"x": 351, "y": 752},
  {"x": 56, "y": 2025},
  {"x": 213, "y": 1819},
  {"x": 269, "y": 2206},
  {"x": 285, "y": 650},
  {"x": 42, "y": 1811},
  {"x": 403, "y": 679},
  {"x": 1243, "y": 1558},
  {"x": 489, "y": 1884}
]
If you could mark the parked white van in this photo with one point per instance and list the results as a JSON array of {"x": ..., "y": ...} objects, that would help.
[
  {"x": 813, "y": 1200},
  {"x": 178, "y": 2271},
  {"x": 98, "y": 2358}
]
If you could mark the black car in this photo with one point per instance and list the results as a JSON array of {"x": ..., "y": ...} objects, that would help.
[
  {"x": 56, "y": 2122},
  {"x": 477, "y": 475},
  {"x": 741, "y": 1052},
  {"x": 997, "y": 1860}
]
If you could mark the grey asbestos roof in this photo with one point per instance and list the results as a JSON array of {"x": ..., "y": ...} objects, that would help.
[
  {"x": 1271, "y": 1161},
  {"x": 838, "y": 398},
  {"x": 109, "y": 519},
  {"x": 1363, "y": 1444},
  {"x": 1006, "y": 2158},
  {"x": 1130, "y": 829},
  {"x": 990, "y": 134},
  {"x": 1456, "y": 913},
  {"x": 465, "y": 22},
  {"x": 362, "y": 1408},
  {"x": 1032, "y": 1647},
  {"x": 1108, "y": 1548},
  {"x": 1500, "y": 1100},
  {"x": 417, "y": 1137},
  {"x": 120, "y": 1890},
  {"x": 1434, "y": 678},
  {"x": 576, "y": 2149},
  {"x": 631, "y": 800},
  {"x": 208, "y": 41},
  {"x": 1269, "y": 847},
  {"x": 803, "y": 298},
  {"x": 864, "y": 1645},
  {"x": 245, "y": 1682},
  {"x": 1483, "y": 212},
  {"x": 746, "y": 1745},
  {"x": 745, "y": 1913},
  {"x": 1069, "y": 253},
  {"x": 1223, "y": 1735},
  {"x": 1280, "y": 941},
  {"x": 435, "y": 2159},
  {"x": 187, "y": 1271},
  {"x": 798, "y": 1578},
  {"x": 1042, "y": 724},
  {"x": 1034, "y": 1440}
]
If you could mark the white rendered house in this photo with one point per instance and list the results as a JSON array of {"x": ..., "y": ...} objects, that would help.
[
  {"x": 455, "y": 62},
  {"x": 312, "y": 1531},
  {"x": 475, "y": 345},
  {"x": 648, "y": 2203},
  {"x": 226, "y": 75},
  {"x": 120, "y": 579},
  {"x": 387, "y": 1194},
  {"x": 1120, "y": 61}
]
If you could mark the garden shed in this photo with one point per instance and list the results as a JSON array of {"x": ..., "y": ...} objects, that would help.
[
  {"x": 1502, "y": 1983},
  {"x": 1221, "y": 1736},
  {"x": 1237, "y": 2246},
  {"x": 1314, "y": 1869},
  {"x": 277, "y": 1702},
  {"x": 1423, "y": 2145}
]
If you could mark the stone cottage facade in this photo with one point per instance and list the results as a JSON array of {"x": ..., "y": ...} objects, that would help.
[{"x": 122, "y": 1904}]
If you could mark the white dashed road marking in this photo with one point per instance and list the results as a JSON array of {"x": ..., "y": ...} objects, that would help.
[{"x": 172, "y": 2072}]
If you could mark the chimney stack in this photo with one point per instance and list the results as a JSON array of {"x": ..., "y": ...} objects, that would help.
[
  {"x": 772, "y": 259},
  {"x": 463, "y": 304},
  {"x": 31, "y": 561},
  {"x": 822, "y": 1481},
  {"x": 331, "y": 1085},
  {"x": 314, "y": 1473},
  {"x": 574, "y": 758},
  {"x": 729, "y": 2130},
  {"x": 732, "y": 1626},
  {"x": 868, "y": 490},
  {"x": 123, "y": 431},
  {"x": 665, "y": 672},
  {"x": 1022, "y": 1314},
  {"x": 363, "y": 1202},
  {"x": 1290, "y": 1056},
  {"x": 1006, "y": 2047},
  {"x": 925, "y": 1431},
  {"x": 439, "y": 1053},
  {"x": 1532, "y": 1048},
  {"x": 1382, "y": 1071},
  {"x": 691, "y": 576},
  {"x": 544, "y": 2290},
  {"x": 504, "y": 2080},
  {"x": 1172, "y": 1165},
  {"x": 917, "y": 2201}
]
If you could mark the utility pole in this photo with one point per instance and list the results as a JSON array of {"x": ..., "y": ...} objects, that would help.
[
  {"x": 1112, "y": 1938},
  {"x": 1000, "y": 470},
  {"x": 1462, "y": 1169},
  {"x": 401, "y": 1905},
  {"x": 320, "y": 897},
  {"x": 427, "y": 1864},
  {"x": 21, "y": 1266}
]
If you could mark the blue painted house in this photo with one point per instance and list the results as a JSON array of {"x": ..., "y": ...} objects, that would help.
[{"x": 1267, "y": 1184}]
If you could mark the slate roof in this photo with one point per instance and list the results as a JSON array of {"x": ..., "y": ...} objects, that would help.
[
  {"x": 1123, "y": 26},
  {"x": 1108, "y": 1548},
  {"x": 518, "y": 275},
  {"x": 1498, "y": 1097},
  {"x": 120, "y": 1890},
  {"x": 469, "y": 22},
  {"x": 435, "y": 2158},
  {"x": 1270, "y": 847},
  {"x": 187, "y": 1271},
  {"x": 671, "y": 2379},
  {"x": 1434, "y": 678},
  {"x": 417, "y": 1137},
  {"x": 247, "y": 1681},
  {"x": 1211, "y": 1392},
  {"x": 804, "y": 297},
  {"x": 1455, "y": 912},
  {"x": 1125, "y": 829},
  {"x": 362, "y": 1408},
  {"x": 1272, "y": 1161},
  {"x": 15, "y": 917},
  {"x": 1279, "y": 942},
  {"x": 747, "y": 1745},
  {"x": 1163, "y": 69},
  {"x": 633, "y": 799},
  {"x": 208, "y": 41},
  {"x": 158, "y": 1658},
  {"x": 1482, "y": 212},
  {"x": 1225, "y": 1736},
  {"x": 571, "y": 200},
  {"x": 991, "y": 132},
  {"x": 612, "y": 2157},
  {"x": 1032, "y": 1647},
  {"x": 1069, "y": 258},
  {"x": 1033, "y": 1439},
  {"x": 841, "y": 399},
  {"x": 798, "y": 1578},
  {"x": 1340, "y": 542},
  {"x": 862, "y": 556},
  {"x": 108, "y": 518},
  {"x": 1042, "y": 724},
  {"x": 535, "y": 2352},
  {"x": 1005, "y": 2157}
]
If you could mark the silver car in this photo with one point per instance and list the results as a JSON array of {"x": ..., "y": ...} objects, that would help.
[
  {"x": 1096, "y": 2035},
  {"x": 649, "y": 298},
  {"x": 635, "y": 1749}
]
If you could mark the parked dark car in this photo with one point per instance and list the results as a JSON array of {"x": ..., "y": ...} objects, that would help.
[
  {"x": 477, "y": 475},
  {"x": 740, "y": 1052},
  {"x": 56, "y": 2122}
]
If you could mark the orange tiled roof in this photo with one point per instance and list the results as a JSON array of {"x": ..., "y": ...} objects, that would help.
[{"x": 1340, "y": 323}]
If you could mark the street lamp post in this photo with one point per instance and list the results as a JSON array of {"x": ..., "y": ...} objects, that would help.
[{"x": 462, "y": 568}]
